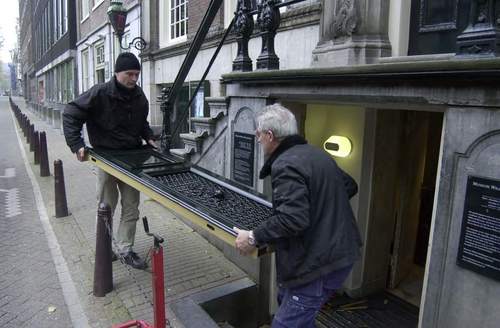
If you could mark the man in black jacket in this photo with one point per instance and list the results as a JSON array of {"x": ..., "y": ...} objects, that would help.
[
  {"x": 312, "y": 227},
  {"x": 116, "y": 116}
]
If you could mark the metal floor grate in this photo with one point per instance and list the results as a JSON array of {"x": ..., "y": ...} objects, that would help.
[
  {"x": 378, "y": 311},
  {"x": 226, "y": 205}
]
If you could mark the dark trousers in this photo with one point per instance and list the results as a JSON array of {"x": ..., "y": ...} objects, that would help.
[{"x": 298, "y": 306}]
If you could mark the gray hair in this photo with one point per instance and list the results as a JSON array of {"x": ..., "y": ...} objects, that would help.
[{"x": 278, "y": 119}]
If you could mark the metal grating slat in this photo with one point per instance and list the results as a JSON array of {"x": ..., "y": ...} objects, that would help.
[{"x": 227, "y": 205}]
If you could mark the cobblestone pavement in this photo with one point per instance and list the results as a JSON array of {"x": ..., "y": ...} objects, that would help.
[{"x": 191, "y": 263}]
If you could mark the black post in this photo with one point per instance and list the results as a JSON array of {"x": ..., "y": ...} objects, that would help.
[
  {"x": 25, "y": 124},
  {"x": 103, "y": 269},
  {"x": 36, "y": 156},
  {"x": 244, "y": 28},
  {"x": 31, "y": 138},
  {"x": 268, "y": 20},
  {"x": 44, "y": 156},
  {"x": 60, "y": 190}
]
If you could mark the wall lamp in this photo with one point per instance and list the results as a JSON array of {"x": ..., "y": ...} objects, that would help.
[
  {"x": 338, "y": 146},
  {"x": 118, "y": 18}
]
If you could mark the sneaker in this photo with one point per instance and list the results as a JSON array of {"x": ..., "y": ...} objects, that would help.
[
  {"x": 131, "y": 258},
  {"x": 114, "y": 257}
]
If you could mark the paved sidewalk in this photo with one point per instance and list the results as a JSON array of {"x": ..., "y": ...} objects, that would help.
[
  {"x": 30, "y": 293},
  {"x": 191, "y": 263}
]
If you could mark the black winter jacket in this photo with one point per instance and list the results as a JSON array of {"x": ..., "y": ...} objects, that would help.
[
  {"x": 116, "y": 117},
  {"x": 313, "y": 227}
]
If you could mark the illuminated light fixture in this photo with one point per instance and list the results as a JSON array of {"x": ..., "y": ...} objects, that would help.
[{"x": 338, "y": 146}]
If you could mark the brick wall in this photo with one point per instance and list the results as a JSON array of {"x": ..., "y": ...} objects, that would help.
[
  {"x": 196, "y": 11},
  {"x": 97, "y": 18}
]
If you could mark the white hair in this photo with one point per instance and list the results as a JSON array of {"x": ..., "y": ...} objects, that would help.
[{"x": 277, "y": 119}]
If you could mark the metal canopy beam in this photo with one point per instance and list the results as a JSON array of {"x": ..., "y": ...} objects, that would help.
[{"x": 193, "y": 50}]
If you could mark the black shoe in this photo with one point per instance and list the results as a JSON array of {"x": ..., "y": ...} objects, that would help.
[
  {"x": 114, "y": 257},
  {"x": 132, "y": 259}
]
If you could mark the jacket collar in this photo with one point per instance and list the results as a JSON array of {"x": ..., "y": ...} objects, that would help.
[
  {"x": 285, "y": 144},
  {"x": 113, "y": 90}
]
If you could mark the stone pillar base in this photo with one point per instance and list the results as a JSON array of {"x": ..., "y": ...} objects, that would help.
[
  {"x": 355, "y": 51},
  {"x": 479, "y": 42}
]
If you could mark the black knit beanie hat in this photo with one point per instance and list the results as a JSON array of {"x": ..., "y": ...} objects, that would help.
[{"x": 127, "y": 61}]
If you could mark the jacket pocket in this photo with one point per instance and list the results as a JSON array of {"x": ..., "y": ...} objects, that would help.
[{"x": 290, "y": 257}]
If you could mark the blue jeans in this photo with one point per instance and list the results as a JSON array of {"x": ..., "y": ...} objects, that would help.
[{"x": 298, "y": 306}]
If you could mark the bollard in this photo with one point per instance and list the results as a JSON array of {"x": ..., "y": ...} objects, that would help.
[
  {"x": 31, "y": 138},
  {"x": 103, "y": 269},
  {"x": 60, "y": 190},
  {"x": 23, "y": 124},
  {"x": 27, "y": 127},
  {"x": 44, "y": 156},
  {"x": 28, "y": 133},
  {"x": 36, "y": 156}
]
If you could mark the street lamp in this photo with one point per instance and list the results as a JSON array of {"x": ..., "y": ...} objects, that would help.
[{"x": 118, "y": 18}]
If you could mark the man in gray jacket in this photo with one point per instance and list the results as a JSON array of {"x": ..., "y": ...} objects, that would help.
[
  {"x": 312, "y": 227},
  {"x": 116, "y": 116}
]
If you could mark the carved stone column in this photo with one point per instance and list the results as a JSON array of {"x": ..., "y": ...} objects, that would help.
[
  {"x": 352, "y": 32},
  {"x": 268, "y": 21},
  {"x": 482, "y": 35},
  {"x": 243, "y": 27}
]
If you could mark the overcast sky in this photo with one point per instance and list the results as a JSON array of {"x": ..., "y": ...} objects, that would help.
[{"x": 9, "y": 12}]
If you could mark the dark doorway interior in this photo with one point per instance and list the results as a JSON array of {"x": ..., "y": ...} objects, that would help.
[
  {"x": 407, "y": 146},
  {"x": 418, "y": 157}
]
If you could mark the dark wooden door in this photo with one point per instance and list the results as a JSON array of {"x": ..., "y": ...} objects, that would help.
[{"x": 435, "y": 24}]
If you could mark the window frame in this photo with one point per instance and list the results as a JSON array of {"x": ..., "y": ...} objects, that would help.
[
  {"x": 85, "y": 69},
  {"x": 84, "y": 10},
  {"x": 99, "y": 65},
  {"x": 166, "y": 24}
]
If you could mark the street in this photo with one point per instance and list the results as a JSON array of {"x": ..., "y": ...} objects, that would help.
[{"x": 31, "y": 291}]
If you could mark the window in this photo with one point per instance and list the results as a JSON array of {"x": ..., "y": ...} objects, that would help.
[
  {"x": 55, "y": 20},
  {"x": 99, "y": 61},
  {"x": 178, "y": 19},
  {"x": 173, "y": 21},
  {"x": 84, "y": 9},
  {"x": 99, "y": 54},
  {"x": 85, "y": 70},
  {"x": 69, "y": 81},
  {"x": 64, "y": 16}
]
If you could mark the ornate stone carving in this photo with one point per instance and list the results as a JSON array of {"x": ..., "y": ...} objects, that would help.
[
  {"x": 346, "y": 18},
  {"x": 481, "y": 37},
  {"x": 268, "y": 20},
  {"x": 243, "y": 27},
  {"x": 482, "y": 11},
  {"x": 244, "y": 21},
  {"x": 269, "y": 17}
]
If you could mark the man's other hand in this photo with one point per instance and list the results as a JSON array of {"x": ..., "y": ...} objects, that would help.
[
  {"x": 80, "y": 154},
  {"x": 242, "y": 242},
  {"x": 152, "y": 143}
]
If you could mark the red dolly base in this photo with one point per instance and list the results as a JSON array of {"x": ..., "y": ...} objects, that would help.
[{"x": 158, "y": 286}]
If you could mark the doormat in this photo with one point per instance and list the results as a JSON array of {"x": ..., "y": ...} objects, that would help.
[{"x": 381, "y": 310}]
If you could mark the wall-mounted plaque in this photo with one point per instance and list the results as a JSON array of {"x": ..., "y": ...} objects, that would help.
[
  {"x": 479, "y": 248},
  {"x": 243, "y": 158}
]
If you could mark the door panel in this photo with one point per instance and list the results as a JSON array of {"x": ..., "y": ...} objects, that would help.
[{"x": 435, "y": 24}]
